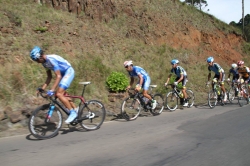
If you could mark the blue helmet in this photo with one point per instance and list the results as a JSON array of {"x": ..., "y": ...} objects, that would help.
[
  {"x": 174, "y": 61},
  {"x": 35, "y": 53},
  {"x": 210, "y": 59}
]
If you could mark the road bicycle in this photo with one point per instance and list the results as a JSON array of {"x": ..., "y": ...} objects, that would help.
[
  {"x": 46, "y": 120},
  {"x": 175, "y": 96},
  {"x": 216, "y": 95},
  {"x": 131, "y": 106},
  {"x": 243, "y": 97}
]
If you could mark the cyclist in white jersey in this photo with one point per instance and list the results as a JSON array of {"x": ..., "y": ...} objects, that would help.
[
  {"x": 64, "y": 76},
  {"x": 181, "y": 76},
  {"x": 219, "y": 74},
  {"x": 144, "y": 80}
]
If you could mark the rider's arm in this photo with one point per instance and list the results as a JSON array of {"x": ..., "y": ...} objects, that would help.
[
  {"x": 49, "y": 77},
  {"x": 131, "y": 82},
  {"x": 141, "y": 79},
  {"x": 181, "y": 78},
  {"x": 209, "y": 76},
  {"x": 58, "y": 79},
  {"x": 168, "y": 78},
  {"x": 220, "y": 79}
]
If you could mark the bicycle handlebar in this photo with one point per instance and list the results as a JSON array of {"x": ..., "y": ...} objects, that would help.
[{"x": 43, "y": 93}]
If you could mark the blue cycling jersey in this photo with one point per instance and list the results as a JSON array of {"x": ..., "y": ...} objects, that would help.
[
  {"x": 55, "y": 62},
  {"x": 138, "y": 70},
  {"x": 234, "y": 72},
  {"x": 215, "y": 68},
  {"x": 178, "y": 71}
]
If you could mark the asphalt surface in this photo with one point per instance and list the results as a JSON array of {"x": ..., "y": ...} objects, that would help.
[{"x": 189, "y": 137}]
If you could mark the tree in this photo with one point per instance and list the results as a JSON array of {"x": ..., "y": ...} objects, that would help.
[{"x": 197, "y": 3}]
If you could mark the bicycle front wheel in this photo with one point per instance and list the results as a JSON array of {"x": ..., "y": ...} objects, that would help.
[
  {"x": 92, "y": 115},
  {"x": 190, "y": 98},
  {"x": 231, "y": 94},
  {"x": 171, "y": 101},
  {"x": 42, "y": 127},
  {"x": 159, "y": 105},
  {"x": 212, "y": 99},
  {"x": 130, "y": 108},
  {"x": 243, "y": 96}
]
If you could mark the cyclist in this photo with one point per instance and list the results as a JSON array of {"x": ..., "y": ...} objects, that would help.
[
  {"x": 234, "y": 72},
  {"x": 219, "y": 74},
  {"x": 64, "y": 76},
  {"x": 181, "y": 76},
  {"x": 144, "y": 80},
  {"x": 244, "y": 73}
]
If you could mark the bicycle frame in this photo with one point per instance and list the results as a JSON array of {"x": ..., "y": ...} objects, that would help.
[
  {"x": 54, "y": 101},
  {"x": 140, "y": 96}
]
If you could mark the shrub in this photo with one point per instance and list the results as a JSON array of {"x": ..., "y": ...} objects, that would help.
[{"x": 117, "y": 82}]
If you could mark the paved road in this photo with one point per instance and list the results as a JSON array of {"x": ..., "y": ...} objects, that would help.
[{"x": 189, "y": 137}]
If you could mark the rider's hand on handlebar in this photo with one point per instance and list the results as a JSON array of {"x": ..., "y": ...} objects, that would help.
[
  {"x": 228, "y": 79},
  {"x": 175, "y": 83},
  {"x": 207, "y": 83},
  {"x": 50, "y": 93},
  {"x": 165, "y": 84}
]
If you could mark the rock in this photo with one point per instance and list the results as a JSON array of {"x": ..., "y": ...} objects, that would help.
[
  {"x": 15, "y": 116},
  {"x": 2, "y": 115}
]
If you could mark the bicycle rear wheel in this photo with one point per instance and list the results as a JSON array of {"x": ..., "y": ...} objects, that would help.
[
  {"x": 43, "y": 128},
  {"x": 190, "y": 97},
  {"x": 212, "y": 99},
  {"x": 159, "y": 106},
  {"x": 92, "y": 115},
  {"x": 130, "y": 108},
  {"x": 171, "y": 101},
  {"x": 243, "y": 96}
]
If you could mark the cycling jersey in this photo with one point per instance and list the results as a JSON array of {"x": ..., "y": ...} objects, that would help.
[
  {"x": 244, "y": 72},
  {"x": 140, "y": 71},
  {"x": 235, "y": 73},
  {"x": 55, "y": 62},
  {"x": 178, "y": 71},
  {"x": 215, "y": 68}
]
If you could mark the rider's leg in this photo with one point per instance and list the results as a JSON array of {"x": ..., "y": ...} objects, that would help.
[
  {"x": 63, "y": 85},
  {"x": 145, "y": 87}
]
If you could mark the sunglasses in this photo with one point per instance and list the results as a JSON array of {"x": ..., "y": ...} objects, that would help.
[{"x": 126, "y": 66}]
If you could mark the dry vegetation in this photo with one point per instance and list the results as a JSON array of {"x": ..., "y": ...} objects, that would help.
[{"x": 95, "y": 47}]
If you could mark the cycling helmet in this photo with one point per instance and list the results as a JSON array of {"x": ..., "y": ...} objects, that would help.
[
  {"x": 128, "y": 63},
  {"x": 174, "y": 61},
  {"x": 240, "y": 63},
  {"x": 35, "y": 53},
  {"x": 234, "y": 65},
  {"x": 210, "y": 59}
]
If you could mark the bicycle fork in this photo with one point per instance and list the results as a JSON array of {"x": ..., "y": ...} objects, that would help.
[{"x": 50, "y": 112}]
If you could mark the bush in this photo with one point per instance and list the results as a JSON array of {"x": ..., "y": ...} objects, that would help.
[{"x": 117, "y": 82}]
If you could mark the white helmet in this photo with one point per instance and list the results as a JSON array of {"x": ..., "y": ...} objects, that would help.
[
  {"x": 234, "y": 65},
  {"x": 128, "y": 63}
]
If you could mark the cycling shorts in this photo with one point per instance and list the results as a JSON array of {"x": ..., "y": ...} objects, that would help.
[
  {"x": 183, "y": 81},
  {"x": 146, "y": 83},
  {"x": 218, "y": 77},
  {"x": 67, "y": 78}
]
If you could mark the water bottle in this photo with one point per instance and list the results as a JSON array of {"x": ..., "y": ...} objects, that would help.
[
  {"x": 181, "y": 94},
  {"x": 145, "y": 100},
  {"x": 51, "y": 109}
]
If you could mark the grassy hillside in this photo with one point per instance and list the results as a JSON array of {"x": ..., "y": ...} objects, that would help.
[{"x": 95, "y": 48}]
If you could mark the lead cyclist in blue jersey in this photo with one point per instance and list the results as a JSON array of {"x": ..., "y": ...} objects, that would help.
[
  {"x": 219, "y": 74},
  {"x": 144, "y": 80},
  {"x": 64, "y": 76},
  {"x": 181, "y": 76}
]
